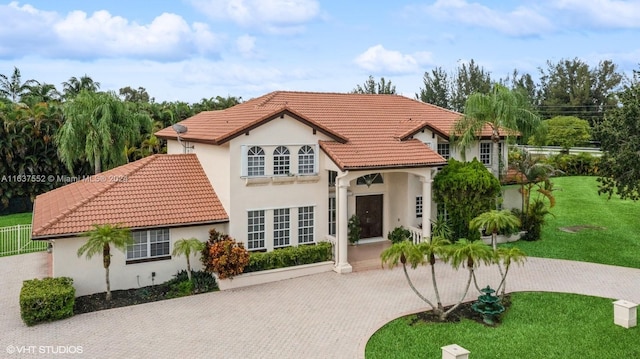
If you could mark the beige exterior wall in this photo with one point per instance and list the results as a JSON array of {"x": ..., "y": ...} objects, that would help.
[
  {"x": 89, "y": 275},
  {"x": 273, "y": 192}
]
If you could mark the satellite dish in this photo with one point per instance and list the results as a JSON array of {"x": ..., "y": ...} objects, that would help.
[{"x": 180, "y": 129}]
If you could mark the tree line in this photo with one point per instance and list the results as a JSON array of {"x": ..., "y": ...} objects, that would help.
[{"x": 77, "y": 131}]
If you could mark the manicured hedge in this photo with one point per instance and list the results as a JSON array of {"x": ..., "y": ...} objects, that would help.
[
  {"x": 46, "y": 300},
  {"x": 289, "y": 256}
]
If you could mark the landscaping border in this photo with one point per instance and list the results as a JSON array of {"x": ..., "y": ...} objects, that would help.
[{"x": 274, "y": 275}]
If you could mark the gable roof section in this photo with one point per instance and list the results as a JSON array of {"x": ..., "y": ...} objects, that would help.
[
  {"x": 367, "y": 131},
  {"x": 160, "y": 190}
]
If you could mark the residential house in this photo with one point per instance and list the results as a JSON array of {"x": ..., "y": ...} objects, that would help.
[{"x": 283, "y": 169}]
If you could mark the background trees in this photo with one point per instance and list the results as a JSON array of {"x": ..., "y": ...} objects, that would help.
[
  {"x": 564, "y": 131},
  {"x": 619, "y": 133},
  {"x": 372, "y": 87}
]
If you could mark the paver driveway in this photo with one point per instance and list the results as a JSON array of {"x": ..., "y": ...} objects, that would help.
[{"x": 321, "y": 316}]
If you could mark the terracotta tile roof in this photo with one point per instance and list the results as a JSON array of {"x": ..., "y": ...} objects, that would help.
[
  {"x": 368, "y": 130},
  {"x": 160, "y": 190}
]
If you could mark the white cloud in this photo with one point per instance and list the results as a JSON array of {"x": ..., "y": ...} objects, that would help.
[
  {"x": 521, "y": 21},
  {"x": 378, "y": 59},
  {"x": 79, "y": 35},
  {"x": 603, "y": 13},
  {"x": 246, "y": 45},
  {"x": 278, "y": 16}
]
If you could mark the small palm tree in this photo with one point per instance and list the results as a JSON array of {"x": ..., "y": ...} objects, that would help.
[
  {"x": 438, "y": 246},
  {"x": 508, "y": 256},
  {"x": 469, "y": 254},
  {"x": 187, "y": 247},
  {"x": 403, "y": 252},
  {"x": 494, "y": 222},
  {"x": 101, "y": 237}
]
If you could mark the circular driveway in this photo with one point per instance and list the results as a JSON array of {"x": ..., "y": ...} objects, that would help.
[{"x": 327, "y": 315}]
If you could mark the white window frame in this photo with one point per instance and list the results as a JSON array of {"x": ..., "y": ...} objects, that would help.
[
  {"x": 332, "y": 219},
  {"x": 146, "y": 241},
  {"x": 306, "y": 225},
  {"x": 484, "y": 154},
  {"x": 256, "y": 230},
  {"x": 255, "y": 161},
  {"x": 307, "y": 160},
  {"x": 419, "y": 207},
  {"x": 444, "y": 150},
  {"x": 281, "y": 227},
  {"x": 281, "y": 161}
]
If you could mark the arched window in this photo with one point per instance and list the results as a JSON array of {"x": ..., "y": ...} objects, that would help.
[
  {"x": 306, "y": 160},
  {"x": 255, "y": 161},
  {"x": 281, "y": 161}
]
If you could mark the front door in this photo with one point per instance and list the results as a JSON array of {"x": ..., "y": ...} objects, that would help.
[{"x": 369, "y": 211}]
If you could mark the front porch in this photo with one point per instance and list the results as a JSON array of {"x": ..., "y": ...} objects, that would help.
[{"x": 366, "y": 256}]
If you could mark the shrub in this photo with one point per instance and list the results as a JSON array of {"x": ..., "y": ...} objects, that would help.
[
  {"x": 582, "y": 164},
  {"x": 288, "y": 257},
  {"x": 354, "y": 229},
  {"x": 399, "y": 234},
  {"x": 203, "y": 282},
  {"x": 180, "y": 289},
  {"x": 46, "y": 300},
  {"x": 224, "y": 256}
]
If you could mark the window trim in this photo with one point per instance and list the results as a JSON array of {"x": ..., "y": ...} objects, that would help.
[
  {"x": 313, "y": 164},
  {"x": 149, "y": 257},
  {"x": 446, "y": 154},
  {"x": 490, "y": 154}
]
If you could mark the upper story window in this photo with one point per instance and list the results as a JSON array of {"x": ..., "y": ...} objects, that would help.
[
  {"x": 306, "y": 160},
  {"x": 149, "y": 244},
  {"x": 255, "y": 161},
  {"x": 281, "y": 161},
  {"x": 332, "y": 178},
  {"x": 444, "y": 151},
  {"x": 485, "y": 153}
]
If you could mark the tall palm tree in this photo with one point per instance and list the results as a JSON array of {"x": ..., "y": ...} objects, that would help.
[
  {"x": 502, "y": 110},
  {"x": 186, "y": 247},
  {"x": 13, "y": 87},
  {"x": 494, "y": 222},
  {"x": 468, "y": 254},
  {"x": 101, "y": 238},
  {"x": 74, "y": 86},
  {"x": 39, "y": 93},
  {"x": 97, "y": 127},
  {"x": 508, "y": 256}
]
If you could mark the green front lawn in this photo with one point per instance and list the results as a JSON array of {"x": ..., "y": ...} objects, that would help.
[
  {"x": 617, "y": 242},
  {"x": 13, "y": 219},
  {"x": 538, "y": 325}
]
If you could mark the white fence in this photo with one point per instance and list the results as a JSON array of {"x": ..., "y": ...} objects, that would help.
[
  {"x": 17, "y": 240},
  {"x": 416, "y": 235}
]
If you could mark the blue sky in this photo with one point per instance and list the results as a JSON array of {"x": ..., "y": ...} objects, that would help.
[{"x": 192, "y": 49}]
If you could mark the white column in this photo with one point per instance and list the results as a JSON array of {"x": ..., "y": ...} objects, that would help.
[
  {"x": 342, "y": 241},
  {"x": 426, "y": 206}
]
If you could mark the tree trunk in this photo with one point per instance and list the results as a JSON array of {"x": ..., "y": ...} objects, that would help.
[
  {"x": 406, "y": 274},
  {"x": 444, "y": 315},
  {"x": 503, "y": 282},
  {"x": 106, "y": 272},
  {"x": 96, "y": 160},
  {"x": 188, "y": 268},
  {"x": 435, "y": 287},
  {"x": 495, "y": 154}
]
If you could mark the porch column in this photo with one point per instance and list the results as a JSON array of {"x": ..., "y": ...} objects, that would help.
[
  {"x": 342, "y": 265},
  {"x": 426, "y": 206}
]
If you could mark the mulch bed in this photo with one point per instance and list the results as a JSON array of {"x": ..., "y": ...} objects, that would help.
[
  {"x": 120, "y": 298},
  {"x": 464, "y": 311}
]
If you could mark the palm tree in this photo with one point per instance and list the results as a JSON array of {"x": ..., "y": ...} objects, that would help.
[
  {"x": 97, "y": 128},
  {"x": 501, "y": 110},
  {"x": 469, "y": 254},
  {"x": 13, "y": 87},
  {"x": 494, "y": 222},
  {"x": 403, "y": 252},
  {"x": 437, "y": 246},
  {"x": 74, "y": 86},
  {"x": 39, "y": 93},
  {"x": 101, "y": 237},
  {"x": 186, "y": 247},
  {"x": 507, "y": 256}
]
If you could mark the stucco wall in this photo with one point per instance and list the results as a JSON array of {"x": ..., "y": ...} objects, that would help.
[{"x": 89, "y": 275}]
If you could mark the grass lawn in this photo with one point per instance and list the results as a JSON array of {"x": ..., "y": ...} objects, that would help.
[
  {"x": 578, "y": 204},
  {"x": 13, "y": 219},
  {"x": 538, "y": 325}
]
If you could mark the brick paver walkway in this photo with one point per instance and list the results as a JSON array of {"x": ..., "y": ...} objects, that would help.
[{"x": 321, "y": 316}]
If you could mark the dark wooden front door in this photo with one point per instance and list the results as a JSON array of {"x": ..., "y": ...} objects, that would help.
[{"x": 369, "y": 211}]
